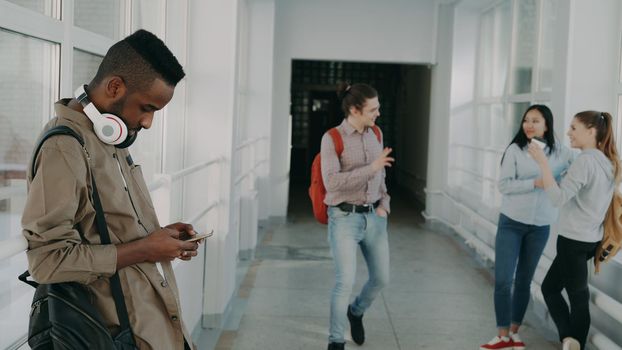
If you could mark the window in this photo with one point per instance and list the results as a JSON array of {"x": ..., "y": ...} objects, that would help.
[
  {"x": 514, "y": 63},
  {"x": 84, "y": 67},
  {"x": 45, "y": 7},
  {"x": 101, "y": 17}
]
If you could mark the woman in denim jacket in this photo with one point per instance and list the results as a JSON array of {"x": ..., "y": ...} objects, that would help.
[{"x": 524, "y": 219}]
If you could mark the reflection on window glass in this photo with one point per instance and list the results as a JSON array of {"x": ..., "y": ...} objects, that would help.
[
  {"x": 547, "y": 42},
  {"x": 29, "y": 76},
  {"x": 45, "y": 7},
  {"x": 84, "y": 67},
  {"x": 486, "y": 54},
  {"x": 494, "y": 50},
  {"x": 501, "y": 134},
  {"x": 515, "y": 117},
  {"x": 501, "y": 45},
  {"x": 101, "y": 17},
  {"x": 525, "y": 47}
]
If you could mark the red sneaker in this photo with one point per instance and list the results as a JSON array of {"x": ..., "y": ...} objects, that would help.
[
  {"x": 498, "y": 343},
  {"x": 518, "y": 343}
]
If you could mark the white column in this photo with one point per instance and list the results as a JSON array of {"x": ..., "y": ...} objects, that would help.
[
  {"x": 211, "y": 94},
  {"x": 438, "y": 146},
  {"x": 259, "y": 96},
  {"x": 587, "y": 52}
]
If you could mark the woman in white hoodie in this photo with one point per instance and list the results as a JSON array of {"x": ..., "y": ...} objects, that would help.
[{"x": 583, "y": 197}]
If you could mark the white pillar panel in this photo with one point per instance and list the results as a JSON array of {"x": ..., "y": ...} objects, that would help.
[
  {"x": 259, "y": 95},
  {"x": 439, "y": 108},
  {"x": 593, "y": 49},
  {"x": 211, "y": 91}
]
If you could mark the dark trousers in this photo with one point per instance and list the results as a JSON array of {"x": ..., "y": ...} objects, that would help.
[{"x": 569, "y": 271}]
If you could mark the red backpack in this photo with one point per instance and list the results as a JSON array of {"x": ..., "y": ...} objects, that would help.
[{"x": 317, "y": 191}]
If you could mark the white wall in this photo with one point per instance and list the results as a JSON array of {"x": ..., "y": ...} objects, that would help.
[
  {"x": 259, "y": 92},
  {"x": 348, "y": 30},
  {"x": 211, "y": 92}
]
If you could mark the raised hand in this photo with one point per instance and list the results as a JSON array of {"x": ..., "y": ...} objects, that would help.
[{"x": 383, "y": 160}]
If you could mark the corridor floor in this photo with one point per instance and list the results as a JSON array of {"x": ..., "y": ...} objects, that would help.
[{"x": 439, "y": 296}]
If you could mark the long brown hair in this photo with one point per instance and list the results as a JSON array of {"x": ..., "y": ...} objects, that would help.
[{"x": 603, "y": 123}]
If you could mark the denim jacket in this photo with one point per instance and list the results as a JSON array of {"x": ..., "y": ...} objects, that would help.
[{"x": 521, "y": 200}]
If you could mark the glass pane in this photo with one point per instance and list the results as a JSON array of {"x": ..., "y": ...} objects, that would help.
[
  {"x": 485, "y": 55},
  {"x": 84, "y": 67},
  {"x": 101, "y": 17},
  {"x": 501, "y": 46},
  {"x": 149, "y": 15},
  {"x": 525, "y": 47},
  {"x": 29, "y": 75},
  {"x": 482, "y": 127},
  {"x": 502, "y": 135},
  {"x": 45, "y": 7},
  {"x": 547, "y": 43},
  {"x": 515, "y": 118}
]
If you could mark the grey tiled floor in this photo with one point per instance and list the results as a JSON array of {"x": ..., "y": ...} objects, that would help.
[{"x": 439, "y": 296}]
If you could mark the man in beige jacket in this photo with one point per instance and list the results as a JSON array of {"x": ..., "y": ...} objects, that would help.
[{"x": 137, "y": 77}]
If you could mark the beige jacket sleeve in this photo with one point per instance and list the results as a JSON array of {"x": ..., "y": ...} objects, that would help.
[{"x": 57, "y": 203}]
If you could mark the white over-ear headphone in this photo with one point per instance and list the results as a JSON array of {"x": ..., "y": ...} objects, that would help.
[{"x": 108, "y": 127}]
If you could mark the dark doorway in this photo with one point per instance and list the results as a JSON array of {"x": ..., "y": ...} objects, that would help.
[{"x": 404, "y": 98}]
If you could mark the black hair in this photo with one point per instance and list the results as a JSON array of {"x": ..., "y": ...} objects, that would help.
[
  {"x": 139, "y": 59},
  {"x": 521, "y": 140},
  {"x": 354, "y": 95}
]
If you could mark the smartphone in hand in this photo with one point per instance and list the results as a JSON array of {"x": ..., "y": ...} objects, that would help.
[{"x": 189, "y": 238}]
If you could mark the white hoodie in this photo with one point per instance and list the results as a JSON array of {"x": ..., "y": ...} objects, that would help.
[{"x": 583, "y": 196}]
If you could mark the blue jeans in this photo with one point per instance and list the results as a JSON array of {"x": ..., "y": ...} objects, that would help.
[
  {"x": 518, "y": 249},
  {"x": 346, "y": 230}
]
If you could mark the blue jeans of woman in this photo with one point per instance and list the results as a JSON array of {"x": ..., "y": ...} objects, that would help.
[
  {"x": 518, "y": 249},
  {"x": 569, "y": 271},
  {"x": 347, "y": 231}
]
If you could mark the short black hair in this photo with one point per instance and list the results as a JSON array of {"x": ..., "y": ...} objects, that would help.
[{"x": 139, "y": 59}]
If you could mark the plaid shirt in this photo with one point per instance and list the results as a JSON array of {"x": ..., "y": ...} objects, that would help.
[{"x": 350, "y": 178}]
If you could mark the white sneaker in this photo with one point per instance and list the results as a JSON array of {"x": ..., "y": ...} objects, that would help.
[
  {"x": 498, "y": 343},
  {"x": 518, "y": 343},
  {"x": 571, "y": 344}
]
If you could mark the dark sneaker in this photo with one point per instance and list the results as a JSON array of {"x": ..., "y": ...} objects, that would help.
[
  {"x": 356, "y": 327},
  {"x": 336, "y": 346}
]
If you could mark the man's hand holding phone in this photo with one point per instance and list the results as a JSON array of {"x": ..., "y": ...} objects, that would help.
[{"x": 193, "y": 237}]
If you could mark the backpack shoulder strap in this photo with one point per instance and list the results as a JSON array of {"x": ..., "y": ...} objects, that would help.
[
  {"x": 376, "y": 130},
  {"x": 337, "y": 140},
  {"x": 57, "y": 130},
  {"x": 100, "y": 221}
]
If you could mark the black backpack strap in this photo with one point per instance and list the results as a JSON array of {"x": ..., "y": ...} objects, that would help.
[
  {"x": 100, "y": 219},
  {"x": 115, "y": 283},
  {"x": 57, "y": 130}
]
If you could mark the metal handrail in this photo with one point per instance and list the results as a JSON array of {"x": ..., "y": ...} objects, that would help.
[
  {"x": 241, "y": 177},
  {"x": 12, "y": 246},
  {"x": 249, "y": 142},
  {"x": 176, "y": 176},
  {"x": 194, "y": 168},
  {"x": 14, "y": 190},
  {"x": 15, "y": 245}
]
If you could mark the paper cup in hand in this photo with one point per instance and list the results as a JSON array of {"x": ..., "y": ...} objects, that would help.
[{"x": 538, "y": 142}]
